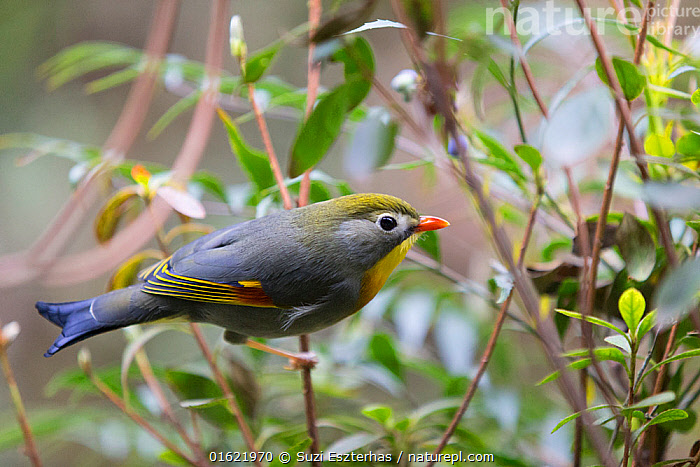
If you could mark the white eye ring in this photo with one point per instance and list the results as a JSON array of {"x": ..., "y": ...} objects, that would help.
[{"x": 387, "y": 222}]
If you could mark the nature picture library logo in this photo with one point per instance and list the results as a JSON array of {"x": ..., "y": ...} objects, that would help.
[{"x": 567, "y": 20}]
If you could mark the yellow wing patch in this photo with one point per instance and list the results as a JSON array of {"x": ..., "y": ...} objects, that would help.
[{"x": 162, "y": 281}]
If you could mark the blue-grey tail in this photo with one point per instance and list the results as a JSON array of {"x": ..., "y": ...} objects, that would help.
[{"x": 76, "y": 320}]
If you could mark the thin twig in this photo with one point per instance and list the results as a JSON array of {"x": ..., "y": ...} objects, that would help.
[
  {"x": 523, "y": 61},
  {"x": 313, "y": 80},
  {"x": 636, "y": 148},
  {"x": 29, "y": 444},
  {"x": 313, "y": 73},
  {"x": 267, "y": 141},
  {"x": 586, "y": 331},
  {"x": 630, "y": 402},
  {"x": 25, "y": 266},
  {"x": 612, "y": 173},
  {"x": 74, "y": 268},
  {"x": 152, "y": 382},
  {"x": 660, "y": 380},
  {"x": 525, "y": 288},
  {"x": 142, "y": 422},
  {"x": 223, "y": 384},
  {"x": 493, "y": 339}
]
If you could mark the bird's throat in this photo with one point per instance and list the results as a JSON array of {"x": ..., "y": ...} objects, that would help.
[{"x": 377, "y": 275}]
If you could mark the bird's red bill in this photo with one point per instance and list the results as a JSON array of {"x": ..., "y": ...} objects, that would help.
[{"x": 431, "y": 223}]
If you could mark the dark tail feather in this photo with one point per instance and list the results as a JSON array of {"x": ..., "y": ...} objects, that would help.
[{"x": 75, "y": 318}]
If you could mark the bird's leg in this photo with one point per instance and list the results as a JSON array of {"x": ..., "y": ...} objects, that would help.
[{"x": 297, "y": 361}]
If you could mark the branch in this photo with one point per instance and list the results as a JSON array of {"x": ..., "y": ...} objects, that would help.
[
  {"x": 548, "y": 335},
  {"x": 82, "y": 266},
  {"x": 155, "y": 387},
  {"x": 523, "y": 61},
  {"x": 486, "y": 357},
  {"x": 267, "y": 141},
  {"x": 223, "y": 384},
  {"x": 25, "y": 266},
  {"x": 313, "y": 80},
  {"x": 610, "y": 183},
  {"x": 84, "y": 361},
  {"x": 29, "y": 445},
  {"x": 635, "y": 146}
]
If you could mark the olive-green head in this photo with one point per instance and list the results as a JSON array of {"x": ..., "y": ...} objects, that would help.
[{"x": 362, "y": 228}]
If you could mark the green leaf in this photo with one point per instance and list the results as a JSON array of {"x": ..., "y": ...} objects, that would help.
[
  {"x": 591, "y": 319},
  {"x": 352, "y": 443},
  {"x": 127, "y": 272},
  {"x": 619, "y": 341},
  {"x": 430, "y": 243},
  {"x": 670, "y": 92},
  {"x": 210, "y": 183},
  {"x": 114, "y": 211},
  {"x": 43, "y": 145},
  {"x": 382, "y": 350},
  {"x": 321, "y": 129},
  {"x": 530, "y": 155},
  {"x": 656, "y": 399},
  {"x": 203, "y": 403},
  {"x": 576, "y": 365},
  {"x": 659, "y": 145},
  {"x": 379, "y": 413},
  {"x": 372, "y": 143},
  {"x": 645, "y": 325},
  {"x": 632, "y": 306},
  {"x": 323, "y": 126},
  {"x": 689, "y": 145},
  {"x": 660, "y": 45},
  {"x": 299, "y": 447},
  {"x": 169, "y": 457},
  {"x": 668, "y": 416},
  {"x": 695, "y": 225},
  {"x": 495, "y": 150},
  {"x": 258, "y": 63},
  {"x": 601, "y": 354},
  {"x": 497, "y": 73},
  {"x": 680, "y": 356},
  {"x": 84, "y": 58},
  {"x": 193, "y": 386},
  {"x": 550, "y": 249},
  {"x": 253, "y": 162},
  {"x": 636, "y": 248},
  {"x": 45, "y": 424},
  {"x": 137, "y": 339},
  {"x": 631, "y": 81},
  {"x": 678, "y": 292},
  {"x": 171, "y": 114},
  {"x": 695, "y": 98},
  {"x": 358, "y": 59},
  {"x": 112, "y": 80},
  {"x": 433, "y": 407},
  {"x": 576, "y": 415},
  {"x": 692, "y": 342}
]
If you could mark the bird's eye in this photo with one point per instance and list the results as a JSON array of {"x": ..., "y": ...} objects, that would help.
[{"x": 387, "y": 223}]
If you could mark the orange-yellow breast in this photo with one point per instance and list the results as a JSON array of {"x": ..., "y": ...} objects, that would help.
[{"x": 376, "y": 276}]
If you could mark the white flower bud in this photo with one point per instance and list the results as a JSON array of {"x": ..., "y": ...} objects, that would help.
[
  {"x": 85, "y": 360},
  {"x": 10, "y": 332},
  {"x": 405, "y": 83},
  {"x": 236, "y": 40}
]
